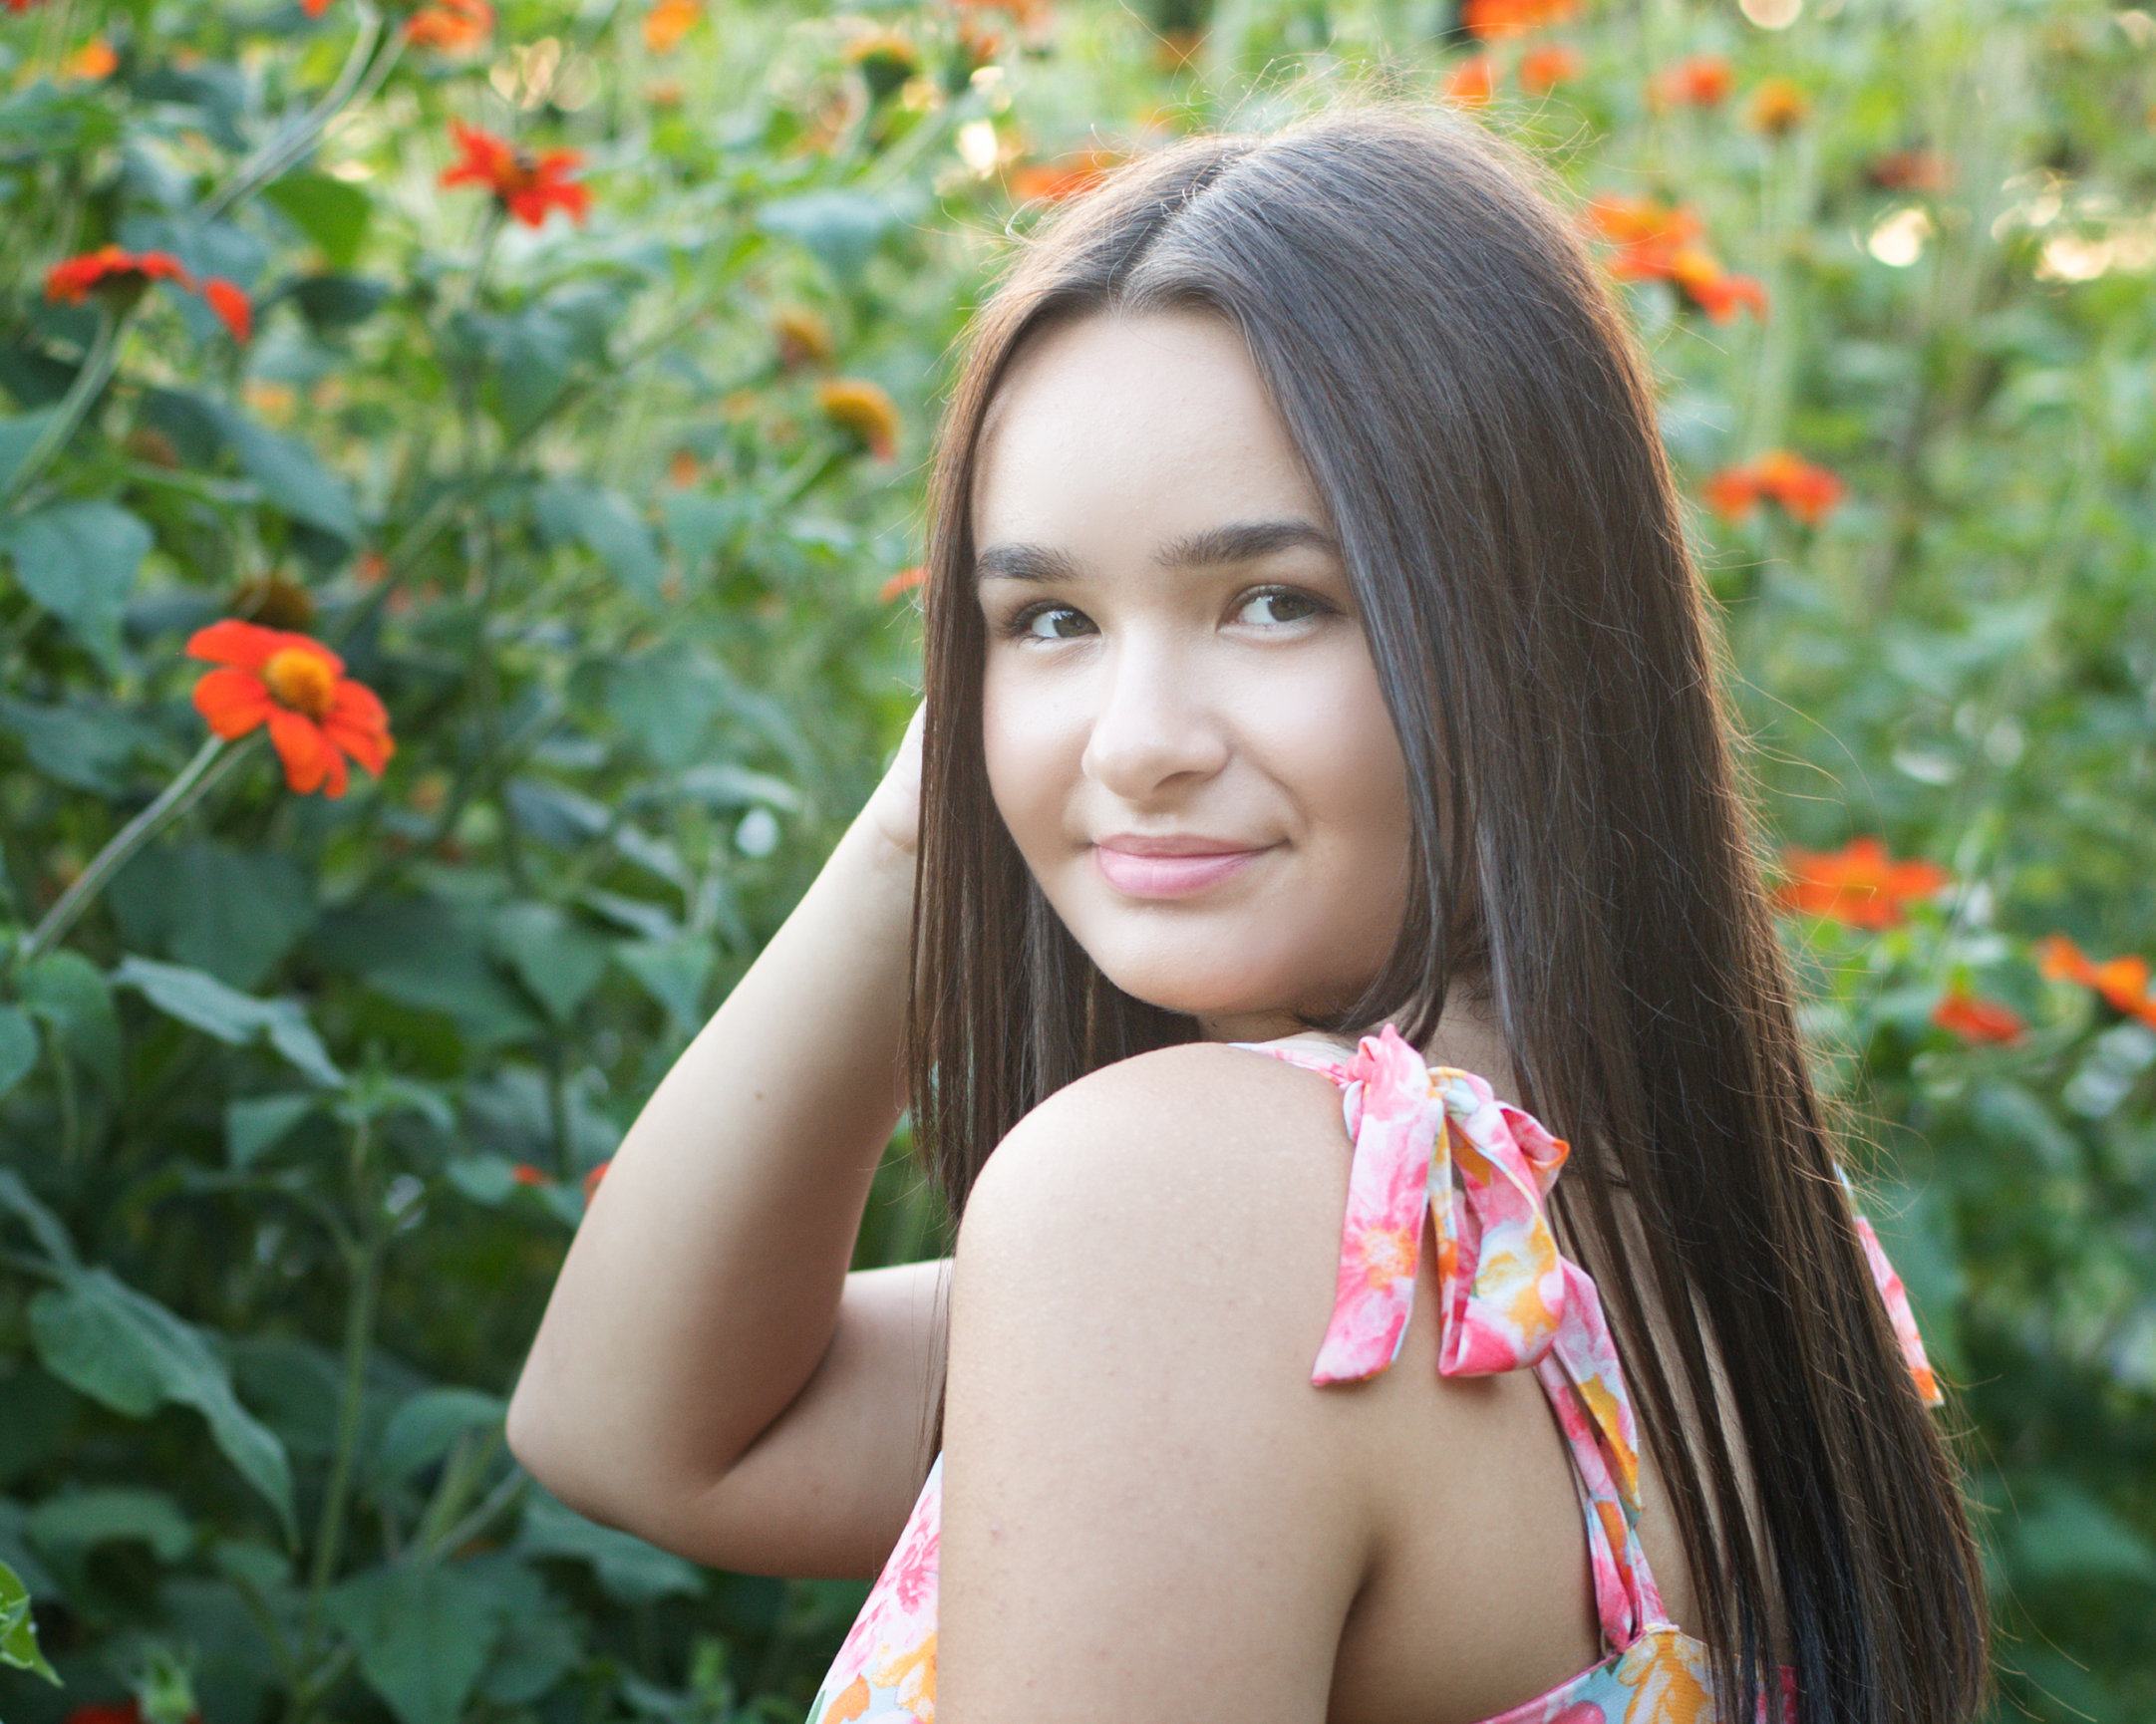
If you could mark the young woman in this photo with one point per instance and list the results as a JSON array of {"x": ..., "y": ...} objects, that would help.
[{"x": 1321, "y": 729}]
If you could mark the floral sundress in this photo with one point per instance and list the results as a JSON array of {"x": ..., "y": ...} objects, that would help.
[{"x": 1435, "y": 1153}]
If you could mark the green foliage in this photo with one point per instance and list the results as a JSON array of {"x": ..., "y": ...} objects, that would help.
[{"x": 297, "y": 1093}]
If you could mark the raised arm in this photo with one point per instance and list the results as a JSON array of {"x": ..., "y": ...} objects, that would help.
[{"x": 708, "y": 1375}]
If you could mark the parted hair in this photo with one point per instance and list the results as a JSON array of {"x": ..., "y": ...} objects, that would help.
[{"x": 1479, "y": 424}]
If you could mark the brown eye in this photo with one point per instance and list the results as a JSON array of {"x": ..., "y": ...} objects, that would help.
[
  {"x": 1054, "y": 623},
  {"x": 1276, "y": 606}
]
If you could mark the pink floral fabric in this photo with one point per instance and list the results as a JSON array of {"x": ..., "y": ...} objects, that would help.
[{"x": 1436, "y": 1156}]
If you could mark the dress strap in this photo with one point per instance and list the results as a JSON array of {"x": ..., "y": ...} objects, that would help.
[{"x": 1436, "y": 1142}]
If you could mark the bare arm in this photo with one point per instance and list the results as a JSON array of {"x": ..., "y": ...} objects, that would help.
[{"x": 707, "y": 1374}]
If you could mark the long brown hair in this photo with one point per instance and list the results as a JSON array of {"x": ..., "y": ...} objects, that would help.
[{"x": 1479, "y": 424}]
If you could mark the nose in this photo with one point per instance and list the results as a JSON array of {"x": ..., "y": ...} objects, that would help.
[{"x": 1155, "y": 728}]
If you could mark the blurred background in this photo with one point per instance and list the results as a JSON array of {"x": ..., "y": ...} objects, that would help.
[{"x": 531, "y": 399}]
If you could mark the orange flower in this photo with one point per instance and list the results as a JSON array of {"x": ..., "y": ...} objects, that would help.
[
  {"x": 316, "y": 714},
  {"x": 1716, "y": 290},
  {"x": 109, "y": 270},
  {"x": 902, "y": 583},
  {"x": 450, "y": 26},
  {"x": 1066, "y": 177},
  {"x": 525, "y": 1174},
  {"x": 1492, "y": 20},
  {"x": 1809, "y": 493},
  {"x": 668, "y": 22},
  {"x": 1472, "y": 82},
  {"x": 683, "y": 469},
  {"x": 1544, "y": 69},
  {"x": 857, "y": 406},
  {"x": 525, "y": 185},
  {"x": 92, "y": 61},
  {"x": 1976, "y": 1020},
  {"x": 592, "y": 1179},
  {"x": 885, "y": 58},
  {"x": 802, "y": 338},
  {"x": 1657, "y": 241},
  {"x": 233, "y": 307},
  {"x": 314, "y": 8},
  {"x": 978, "y": 45},
  {"x": 2122, "y": 982},
  {"x": 1779, "y": 105},
  {"x": 1702, "y": 80},
  {"x": 1859, "y": 885}
]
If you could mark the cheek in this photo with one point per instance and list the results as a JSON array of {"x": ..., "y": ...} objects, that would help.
[{"x": 1021, "y": 740}]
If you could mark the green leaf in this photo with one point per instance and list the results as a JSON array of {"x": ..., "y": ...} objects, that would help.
[
  {"x": 841, "y": 228},
  {"x": 292, "y": 481},
  {"x": 672, "y": 972},
  {"x": 78, "y": 560},
  {"x": 2072, "y": 1536},
  {"x": 69, "y": 993},
  {"x": 487, "y": 1180},
  {"x": 422, "y": 1430},
  {"x": 83, "y": 1520},
  {"x": 45, "y": 1227},
  {"x": 423, "y": 1634},
  {"x": 254, "y": 1127},
  {"x": 18, "y": 1046},
  {"x": 633, "y": 1571},
  {"x": 558, "y": 959},
  {"x": 232, "y": 1016},
  {"x": 85, "y": 742},
  {"x": 332, "y": 213},
  {"x": 334, "y": 302},
  {"x": 697, "y": 524},
  {"x": 128, "y": 1353},
  {"x": 18, "y": 436},
  {"x": 234, "y": 913},
  {"x": 18, "y": 1630},
  {"x": 604, "y": 524},
  {"x": 422, "y": 953}
]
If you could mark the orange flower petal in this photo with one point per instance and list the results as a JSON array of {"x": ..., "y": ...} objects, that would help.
[
  {"x": 232, "y": 701},
  {"x": 300, "y": 744},
  {"x": 1976, "y": 1020}
]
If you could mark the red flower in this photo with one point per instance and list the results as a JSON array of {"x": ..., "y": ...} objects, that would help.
[
  {"x": 1491, "y": 20},
  {"x": 525, "y": 1174},
  {"x": 592, "y": 1179},
  {"x": 450, "y": 26},
  {"x": 1657, "y": 241},
  {"x": 1543, "y": 69},
  {"x": 1472, "y": 82},
  {"x": 316, "y": 714},
  {"x": 1859, "y": 885},
  {"x": 124, "y": 273},
  {"x": 902, "y": 583},
  {"x": 2123, "y": 981},
  {"x": 1702, "y": 80},
  {"x": 1809, "y": 493},
  {"x": 1976, "y": 1020},
  {"x": 232, "y": 306},
  {"x": 314, "y": 8},
  {"x": 525, "y": 185}
]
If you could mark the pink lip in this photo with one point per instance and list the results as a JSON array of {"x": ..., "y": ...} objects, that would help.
[{"x": 1171, "y": 867}]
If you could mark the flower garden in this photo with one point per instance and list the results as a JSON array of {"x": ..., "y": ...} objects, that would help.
[{"x": 459, "y": 494}]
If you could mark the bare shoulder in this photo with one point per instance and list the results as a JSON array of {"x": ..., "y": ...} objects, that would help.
[
  {"x": 1133, "y": 1449},
  {"x": 1200, "y": 1138},
  {"x": 1157, "y": 1244}
]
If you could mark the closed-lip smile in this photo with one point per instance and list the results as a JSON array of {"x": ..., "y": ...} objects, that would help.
[{"x": 1170, "y": 865}]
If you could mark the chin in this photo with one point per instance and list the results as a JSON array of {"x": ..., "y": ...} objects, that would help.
[{"x": 1208, "y": 985}]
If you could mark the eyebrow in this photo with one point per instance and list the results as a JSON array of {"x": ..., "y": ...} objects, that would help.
[{"x": 1236, "y": 542}]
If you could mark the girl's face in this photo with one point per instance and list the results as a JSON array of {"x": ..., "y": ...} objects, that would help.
[{"x": 1181, "y": 721}]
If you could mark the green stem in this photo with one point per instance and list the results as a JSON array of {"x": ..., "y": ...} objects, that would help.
[
  {"x": 89, "y": 380},
  {"x": 366, "y": 1266},
  {"x": 296, "y": 140},
  {"x": 174, "y": 800}
]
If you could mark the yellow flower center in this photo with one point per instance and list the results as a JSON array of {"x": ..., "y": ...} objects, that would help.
[{"x": 302, "y": 680}]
